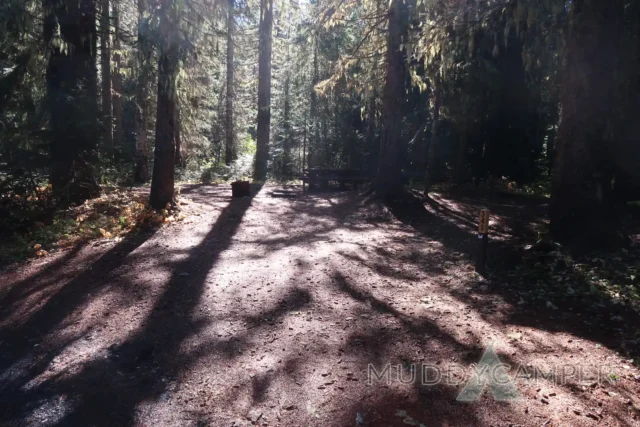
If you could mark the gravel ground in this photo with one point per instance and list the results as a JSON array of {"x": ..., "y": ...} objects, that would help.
[{"x": 272, "y": 310}]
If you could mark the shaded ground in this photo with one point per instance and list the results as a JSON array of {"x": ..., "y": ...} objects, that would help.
[{"x": 269, "y": 310}]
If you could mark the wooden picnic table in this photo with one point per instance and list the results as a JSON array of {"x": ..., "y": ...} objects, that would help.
[{"x": 320, "y": 178}]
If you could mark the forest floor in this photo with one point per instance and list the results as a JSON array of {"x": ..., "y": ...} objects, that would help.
[{"x": 270, "y": 311}]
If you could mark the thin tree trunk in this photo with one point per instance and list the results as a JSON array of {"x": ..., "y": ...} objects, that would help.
[
  {"x": 432, "y": 156},
  {"x": 286, "y": 155},
  {"x": 314, "y": 143},
  {"x": 581, "y": 206},
  {"x": 304, "y": 145},
  {"x": 221, "y": 108},
  {"x": 264, "y": 89},
  {"x": 230, "y": 147},
  {"x": 142, "y": 106},
  {"x": 142, "y": 158},
  {"x": 118, "y": 134},
  {"x": 388, "y": 181},
  {"x": 371, "y": 136},
  {"x": 105, "y": 59},
  {"x": 325, "y": 133},
  {"x": 177, "y": 127}
]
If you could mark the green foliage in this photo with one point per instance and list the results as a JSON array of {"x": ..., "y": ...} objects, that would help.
[{"x": 217, "y": 173}]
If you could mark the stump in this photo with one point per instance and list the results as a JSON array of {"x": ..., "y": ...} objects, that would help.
[{"x": 240, "y": 189}]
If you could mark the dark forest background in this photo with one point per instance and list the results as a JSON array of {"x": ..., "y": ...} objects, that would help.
[{"x": 534, "y": 96}]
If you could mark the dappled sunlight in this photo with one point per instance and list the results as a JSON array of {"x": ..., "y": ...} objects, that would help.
[{"x": 271, "y": 311}]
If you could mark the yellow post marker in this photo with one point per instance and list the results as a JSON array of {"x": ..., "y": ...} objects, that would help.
[
  {"x": 483, "y": 240},
  {"x": 483, "y": 224}
]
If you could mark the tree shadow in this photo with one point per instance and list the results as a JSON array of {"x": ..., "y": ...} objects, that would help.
[
  {"x": 299, "y": 329},
  {"x": 21, "y": 358},
  {"x": 15, "y": 292},
  {"x": 531, "y": 284},
  {"x": 107, "y": 390}
]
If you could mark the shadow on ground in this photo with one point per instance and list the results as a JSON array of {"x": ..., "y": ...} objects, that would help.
[{"x": 272, "y": 312}]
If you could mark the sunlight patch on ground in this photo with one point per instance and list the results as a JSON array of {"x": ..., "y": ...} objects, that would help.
[{"x": 50, "y": 412}]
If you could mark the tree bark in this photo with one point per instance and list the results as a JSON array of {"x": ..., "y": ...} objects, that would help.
[
  {"x": 118, "y": 131},
  {"x": 177, "y": 127},
  {"x": 230, "y": 147},
  {"x": 142, "y": 107},
  {"x": 432, "y": 155},
  {"x": 105, "y": 59},
  {"x": 388, "y": 181},
  {"x": 162, "y": 182},
  {"x": 287, "y": 170},
  {"x": 314, "y": 139},
  {"x": 304, "y": 146},
  {"x": 371, "y": 162},
  {"x": 72, "y": 95},
  {"x": 264, "y": 89},
  {"x": 581, "y": 208}
]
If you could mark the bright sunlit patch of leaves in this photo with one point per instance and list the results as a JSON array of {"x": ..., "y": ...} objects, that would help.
[{"x": 111, "y": 216}]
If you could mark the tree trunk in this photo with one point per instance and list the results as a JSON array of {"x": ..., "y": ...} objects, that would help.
[
  {"x": 162, "y": 182},
  {"x": 581, "y": 208},
  {"x": 142, "y": 106},
  {"x": 432, "y": 155},
  {"x": 388, "y": 181},
  {"x": 118, "y": 131},
  {"x": 372, "y": 150},
  {"x": 286, "y": 146},
  {"x": 230, "y": 147},
  {"x": 219, "y": 135},
  {"x": 72, "y": 95},
  {"x": 105, "y": 58},
  {"x": 314, "y": 139},
  {"x": 264, "y": 89},
  {"x": 325, "y": 133},
  {"x": 304, "y": 147},
  {"x": 177, "y": 128},
  {"x": 142, "y": 159}
]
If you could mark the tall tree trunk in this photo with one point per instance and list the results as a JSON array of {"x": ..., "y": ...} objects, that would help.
[
  {"x": 219, "y": 135},
  {"x": 177, "y": 128},
  {"x": 230, "y": 147},
  {"x": 105, "y": 59},
  {"x": 142, "y": 107},
  {"x": 388, "y": 181},
  {"x": 325, "y": 132},
  {"x": 432, "y": 155},
  {"x": 118, "y": 134},
  {"x": 304, "y": 146},
  {"x": 371, "y": 136},
  {"x": 581, "y": 204},
  {"x": 314, "y": 140},
  {"x": 72, "y": 94},
  {"x": 162, "y": 182},
  {"x": 264, "y": 89},
  {"x": 286, "y": 146}
]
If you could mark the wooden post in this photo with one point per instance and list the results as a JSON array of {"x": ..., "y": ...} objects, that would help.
[{"x": 483, "y": 240}]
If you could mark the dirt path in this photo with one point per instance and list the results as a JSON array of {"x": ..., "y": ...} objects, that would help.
[{"x": 268, "y": 311}]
